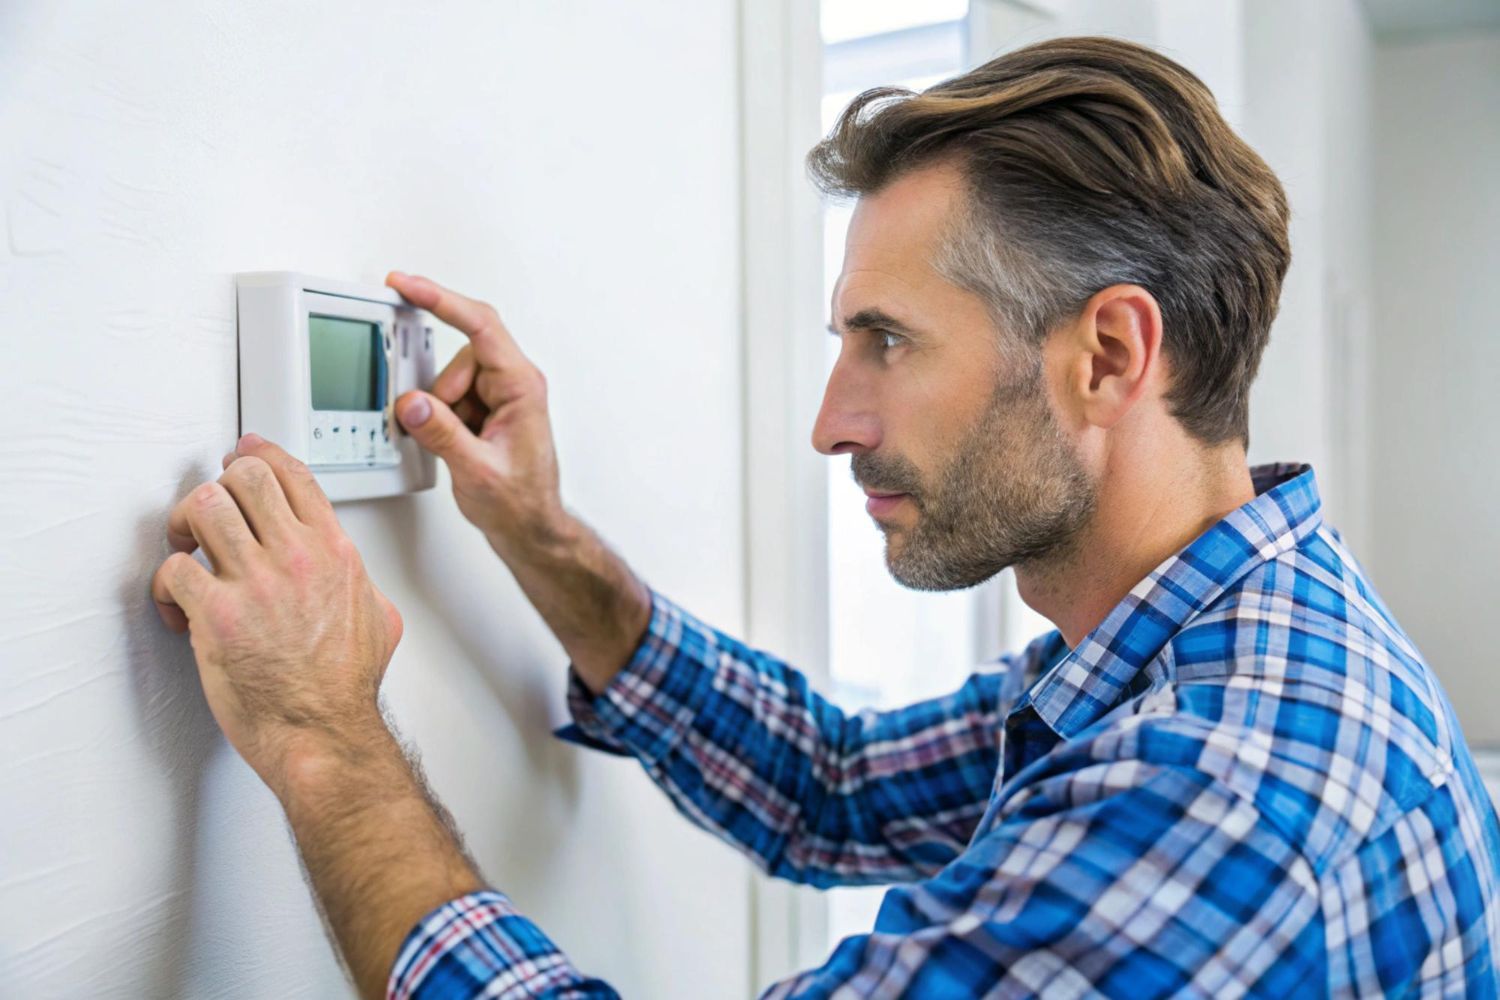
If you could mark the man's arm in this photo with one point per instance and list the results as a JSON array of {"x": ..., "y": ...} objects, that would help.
[
  {"x": 381, "y": 853},
  {"x": 813, "y": 795},
  {"x": 292, "y": 640},
  {"x": 487, "y": 418}
]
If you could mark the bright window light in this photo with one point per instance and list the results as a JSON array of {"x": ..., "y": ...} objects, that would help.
[{"x": 846, "y": 19}]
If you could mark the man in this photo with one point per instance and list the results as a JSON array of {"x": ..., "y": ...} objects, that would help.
[{"x": 1227, "y": 771}]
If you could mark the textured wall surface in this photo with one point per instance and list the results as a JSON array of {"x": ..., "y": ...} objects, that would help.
[
  {"x": 1437, "y": 558},
  {"x": 574, "y": 163}
]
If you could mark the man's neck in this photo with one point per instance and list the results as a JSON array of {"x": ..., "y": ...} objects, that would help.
[{"x": 1144, "y": 515}]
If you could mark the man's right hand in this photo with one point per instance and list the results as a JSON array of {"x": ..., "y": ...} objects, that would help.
[{"x": 486, "y": 417}]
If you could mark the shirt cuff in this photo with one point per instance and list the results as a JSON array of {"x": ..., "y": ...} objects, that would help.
[
  {"x": 476, "y": 944},
  {"x": 652, "y": 701}
]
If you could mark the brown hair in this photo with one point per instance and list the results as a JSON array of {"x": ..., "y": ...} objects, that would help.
[{"x": 1092, "y": 162}]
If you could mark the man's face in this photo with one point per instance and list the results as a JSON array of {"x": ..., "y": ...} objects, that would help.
[{"x": 958, "y": 432}]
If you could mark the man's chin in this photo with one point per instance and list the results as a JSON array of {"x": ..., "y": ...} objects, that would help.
[
  {"x": 901, "y": 568},
  {"x": 927, "y": 576}
]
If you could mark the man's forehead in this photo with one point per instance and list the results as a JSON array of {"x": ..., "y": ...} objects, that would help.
[
  {"x": 895, "y": 234},
  {"x": 913, "y": 211}
]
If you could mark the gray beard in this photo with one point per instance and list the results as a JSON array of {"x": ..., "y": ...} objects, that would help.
[{"x": 1014, "y": 493}]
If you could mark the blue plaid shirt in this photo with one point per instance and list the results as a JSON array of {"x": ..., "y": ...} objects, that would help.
[{"x": 1244, "y": 781}]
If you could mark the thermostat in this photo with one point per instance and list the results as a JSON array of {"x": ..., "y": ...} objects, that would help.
[{"x": 322, "y": 363}]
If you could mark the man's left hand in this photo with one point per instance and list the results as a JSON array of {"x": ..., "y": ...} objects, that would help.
[{"x": 291, "y": 637}]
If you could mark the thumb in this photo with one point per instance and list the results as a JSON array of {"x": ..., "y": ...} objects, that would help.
[{"x": 437, "y": 429}]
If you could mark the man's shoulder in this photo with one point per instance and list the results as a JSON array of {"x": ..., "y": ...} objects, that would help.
[
  {"x": 1310, "y": 606},
  {"x": 1325, "y": 784},
  {"x": 1307, "y": 628},
  {"x": 1298, "y": 691}
]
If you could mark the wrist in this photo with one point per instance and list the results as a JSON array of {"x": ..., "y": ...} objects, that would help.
[
  {"x": 595, "y": 606},
  {"x": 549, "y": 536},
  {"x": 316, "y": 766},
  {"x": 379, "y": 849}
]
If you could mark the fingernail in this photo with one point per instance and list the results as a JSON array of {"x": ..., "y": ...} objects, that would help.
[
  {"x": 416, "y": 413},
  {"x": 249, "y": 441}
]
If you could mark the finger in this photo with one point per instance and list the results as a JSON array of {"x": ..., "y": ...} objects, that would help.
[
  {"x": 179, "y": 535},
  {"x": 209, "y": 517},
  {"x": 303, "y": 495},
  {"x": 178, "y": 588},
  {"x": 492, "y": 342},
  {"x": 438, "y": 429},
  {"x": 457, "y": 378},
  {"x": 257, "y": 491}
]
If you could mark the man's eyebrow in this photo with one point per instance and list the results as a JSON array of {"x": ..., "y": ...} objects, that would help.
[{"x": 873, "y": 319}]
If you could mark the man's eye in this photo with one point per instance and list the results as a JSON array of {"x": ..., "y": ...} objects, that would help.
[{"x": 889, "y": 340}]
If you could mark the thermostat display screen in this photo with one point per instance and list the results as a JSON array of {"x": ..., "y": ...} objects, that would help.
[{"x": 346, "y": 364}]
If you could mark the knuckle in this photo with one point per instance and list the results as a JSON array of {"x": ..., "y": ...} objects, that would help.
[
  {"x": 262, "y": 588},
  {"x": 341, "y": 547},
  {"x": 176, "y": 565},
  {"x": 255, "y": 467},
  {"x": 248, "y": 469},
  {"x": 299, "y": 560},
  {"x": 395, "y": 625},
  {"x": 209, "y": 495},
  {"x": 224, "y": 618}
]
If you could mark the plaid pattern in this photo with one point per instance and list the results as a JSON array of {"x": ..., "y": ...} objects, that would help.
[{"x": 1245, "y": 781}]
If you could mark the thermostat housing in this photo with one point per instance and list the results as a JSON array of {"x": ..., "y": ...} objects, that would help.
[{"x": 322, "y": 363}]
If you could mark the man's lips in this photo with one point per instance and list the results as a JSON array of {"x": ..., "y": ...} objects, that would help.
[{"x": 882, "y": 503}]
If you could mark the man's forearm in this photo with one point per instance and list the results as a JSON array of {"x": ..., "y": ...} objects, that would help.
[
  {"x": 381, "y": 853},
  {"x": 587, "y": 595}
]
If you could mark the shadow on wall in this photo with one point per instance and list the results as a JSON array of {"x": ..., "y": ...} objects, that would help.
[
  {"x": 480, "y": 619},
  {"x": 175, "y": 722}
]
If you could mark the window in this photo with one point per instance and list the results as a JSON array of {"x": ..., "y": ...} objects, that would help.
[{"x": 888, "y": 645}]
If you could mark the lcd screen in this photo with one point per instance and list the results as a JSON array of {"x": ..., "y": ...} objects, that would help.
[{"x": 346, "y": 364}]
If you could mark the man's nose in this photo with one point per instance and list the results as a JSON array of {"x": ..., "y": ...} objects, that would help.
[{"x": 846, "y": 420}]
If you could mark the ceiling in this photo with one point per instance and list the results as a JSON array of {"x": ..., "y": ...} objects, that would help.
[{"x": 1399, "y": 20}]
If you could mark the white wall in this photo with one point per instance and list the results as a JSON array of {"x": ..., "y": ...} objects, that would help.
[
  {"x": 1307, "y": 113},
  {"x": 1437, "y": 408},
  {"x": 577, "y": 165}
]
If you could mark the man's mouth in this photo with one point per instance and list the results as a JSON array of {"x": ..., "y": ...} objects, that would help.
[{"x": 882, "y": 503}]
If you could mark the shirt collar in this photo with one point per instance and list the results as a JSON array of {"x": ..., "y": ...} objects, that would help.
[{"x": 1108, "y": 662}]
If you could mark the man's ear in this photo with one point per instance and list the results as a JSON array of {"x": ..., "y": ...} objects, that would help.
[{"x": 1116, "y": 348}]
